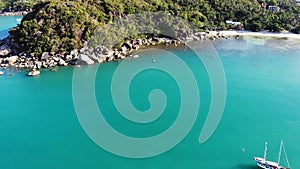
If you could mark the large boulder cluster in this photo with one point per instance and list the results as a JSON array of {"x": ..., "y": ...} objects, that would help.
[{"x": 84, "y": 56}]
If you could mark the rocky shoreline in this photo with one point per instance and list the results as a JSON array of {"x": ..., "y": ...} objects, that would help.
[
  {"x": 88, "y": 55},
  {"x": 83, "y": 56}
]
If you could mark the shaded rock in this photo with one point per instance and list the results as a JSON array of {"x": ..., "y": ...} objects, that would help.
[
  {"x": 4, "y": 48},
  {"x": 21, "y": 54},
  {"x": 4, "y": 52},
  {"x": 105, "y": 50},
  {"x": 109, "y": 58},
  {"x": 136, "y": 47},
  {"x": 101, "y": 60},
  {"x": 94, "y": 58},
  {"x": 101, "y": 56},
  {"x": 44, "y": 65},
  {"x": 82, "y": 50},
  {"x": 123, "y": 49},
  {"x": 158, "y": 40},
  {"x": 4, "y": 65},
  {"x": 59, "y": 55},
  {"x": 118, "y": 56},
  {"x": 30, "y": 64},
  {"x": 133, "y": 42},
  {"x": 139, "y": 42},
  {"x": 196, "y": 38},
  {"x": 167, "y": 41},
  {"x": 61, "y": 62},
  {"x": 68, "y": 57},
  {"x": 98, "y": 49},
  {"x": 56, "y": 59},
  {"x": 52, "y": 53},
  {"x": 45, "y": 56},
  {"x": 74, "y": 52},
  {"x": 173, "y": 41},
  {"x": 109, "y": 53},
  {"x": 127, "y": 45},
  {"x": 11, "y": 60},
  {"x": 38, "y": 64},
  {"x": 84, "y": 60},
  {"x": 22, "y": 65}
]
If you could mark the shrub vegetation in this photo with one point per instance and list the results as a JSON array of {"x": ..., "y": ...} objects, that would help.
[{"x": 62, "y": 25}]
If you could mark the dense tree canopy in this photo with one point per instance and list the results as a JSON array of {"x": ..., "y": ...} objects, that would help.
[
  {"x": 16, "y": 5},
  {"x": 57, "y": 26}
]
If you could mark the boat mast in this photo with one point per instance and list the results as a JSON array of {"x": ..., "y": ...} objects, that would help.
[
  {"x": 279, "y": 154},
  {"x": 287, "y": 160},
  {"x": 265, "y": 153}
]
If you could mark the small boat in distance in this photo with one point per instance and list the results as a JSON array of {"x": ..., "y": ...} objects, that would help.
[
  {"x": 33, "y": 73},
  {"x": 263, "y": 163},
  {"x": 1, "y": 73}
]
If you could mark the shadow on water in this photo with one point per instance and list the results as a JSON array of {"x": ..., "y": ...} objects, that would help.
[{"x": 245, "y": 166}]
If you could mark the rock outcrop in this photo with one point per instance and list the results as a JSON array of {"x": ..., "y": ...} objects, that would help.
[
  {"x": 83, "y": 56},
  {"x": 11, "y": 60},
  {"x": 5, "y": 48},
  {"x": 84, "y": 60}
]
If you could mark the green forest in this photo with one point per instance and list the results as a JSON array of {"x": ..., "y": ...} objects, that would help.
[
  {"x": 56, "y": 25},
  {"x": 17, "y": 5}
]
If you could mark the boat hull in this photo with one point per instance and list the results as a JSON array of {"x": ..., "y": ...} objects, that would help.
[
  {"x": 262, "y": 163},
  {"x": 33, "y": 73}
]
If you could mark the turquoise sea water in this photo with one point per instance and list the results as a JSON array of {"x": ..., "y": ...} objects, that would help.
[
  {"x": 7, "y": 22},
  {"x": 39, "y": 127}
]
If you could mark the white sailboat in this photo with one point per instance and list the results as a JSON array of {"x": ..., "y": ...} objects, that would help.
[
  {"x": 34, "y": 72},
  {"x": 263, "y": 163}
]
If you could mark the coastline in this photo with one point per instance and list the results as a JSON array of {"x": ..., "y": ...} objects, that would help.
[
  {"x": 257, "y": 34},
  {"x": 99, "y": 54},
  {"x": 83, "y": 56}
]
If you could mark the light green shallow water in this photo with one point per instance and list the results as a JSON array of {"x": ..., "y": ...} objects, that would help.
[{"x": 39, "y": 127}]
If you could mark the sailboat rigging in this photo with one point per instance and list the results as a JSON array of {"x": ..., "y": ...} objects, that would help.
[{"x": 265, "y": 164}]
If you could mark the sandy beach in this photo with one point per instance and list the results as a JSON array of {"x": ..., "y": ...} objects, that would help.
[
  {"x": 19, "y": 13},
  {"x": 260, "y": 34}
]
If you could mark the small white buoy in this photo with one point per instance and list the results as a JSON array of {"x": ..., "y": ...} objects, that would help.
[
  {"x": 243, "y": 150},
  {"x": 153, "y": 60}
]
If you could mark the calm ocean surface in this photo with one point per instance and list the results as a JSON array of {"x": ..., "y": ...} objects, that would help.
[
  {"x": 7, "y": 22},
  {"x": 39, "y": 127}
]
